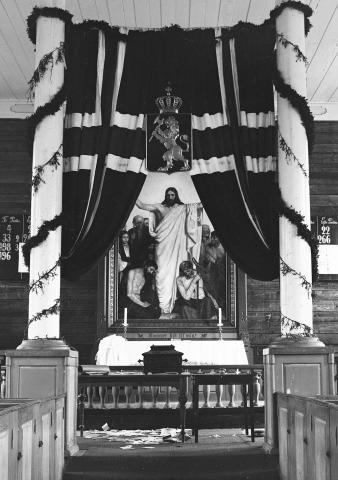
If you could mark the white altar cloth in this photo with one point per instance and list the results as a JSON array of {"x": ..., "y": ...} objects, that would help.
[{"x": 116, "y": 350}]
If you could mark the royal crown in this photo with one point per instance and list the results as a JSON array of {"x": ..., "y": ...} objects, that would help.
[{"x": 169, "y": 103}]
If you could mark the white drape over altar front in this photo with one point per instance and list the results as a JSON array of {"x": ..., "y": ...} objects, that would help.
[{"x": 116, "y": 350}]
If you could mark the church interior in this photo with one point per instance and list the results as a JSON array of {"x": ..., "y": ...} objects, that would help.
[{"x": 169, "y": 180}]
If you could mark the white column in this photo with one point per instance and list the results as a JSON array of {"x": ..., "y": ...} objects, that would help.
[
  {"x": 296, "y": 300},
  {"x": 47, "y": 201}
]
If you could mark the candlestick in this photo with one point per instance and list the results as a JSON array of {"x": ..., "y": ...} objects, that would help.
[
  {"x": 125, "y": 320},
  {"x": 220, "y": 317}
]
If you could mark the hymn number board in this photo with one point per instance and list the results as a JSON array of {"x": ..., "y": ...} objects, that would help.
[
  {"x": 326, "y": 230},
  {"x": 14, "y": 229}
]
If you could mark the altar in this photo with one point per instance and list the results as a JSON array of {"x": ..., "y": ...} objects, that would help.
[{"x": 117, "y": 350}]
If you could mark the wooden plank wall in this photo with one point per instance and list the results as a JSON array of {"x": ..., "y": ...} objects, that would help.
[
  {"x": 15, "y": 177},
  {"x": 78, "y": 299},
  {"x": 263, "y": 297},
  {"x": 324, "y": 201}
]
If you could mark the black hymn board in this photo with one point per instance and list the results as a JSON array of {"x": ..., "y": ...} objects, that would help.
[
  {"x": 14, "y": 229},
  {"x": 325, "y": 229}
]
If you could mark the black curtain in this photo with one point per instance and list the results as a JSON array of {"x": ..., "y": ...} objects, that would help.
[
  {"x": 240, "y": 202},
  {"x": 231, "y": 101},
  {"x": 96, "y": 199}
]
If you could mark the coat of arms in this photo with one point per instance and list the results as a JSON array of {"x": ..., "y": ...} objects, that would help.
[{"x": 169, "y": 136}]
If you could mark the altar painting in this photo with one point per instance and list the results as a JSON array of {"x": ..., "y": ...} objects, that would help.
[{"x": 169, "y": 260}]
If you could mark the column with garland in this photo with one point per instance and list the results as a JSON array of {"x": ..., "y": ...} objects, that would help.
[
  {"x": 293, "y": 176},
  {"x": 297, "y": 363},
  {"x": 44, "y": 296},
  {"x": 43, "y": 365}
]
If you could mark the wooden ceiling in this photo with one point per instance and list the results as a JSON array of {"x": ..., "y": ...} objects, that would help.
[{"x": 17, "y": 53}]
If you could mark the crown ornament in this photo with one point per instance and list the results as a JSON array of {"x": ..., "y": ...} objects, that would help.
[{"x": 168, "y": 103}]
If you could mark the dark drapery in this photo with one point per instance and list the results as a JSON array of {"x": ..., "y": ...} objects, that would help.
[
  {"x": 96, "y": 199},
  {"x": 227, "y": 91},
  {"x": 240, "y": 201}
]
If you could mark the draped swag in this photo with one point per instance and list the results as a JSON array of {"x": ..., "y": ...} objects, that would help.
[{"x": 224, "y": 79}]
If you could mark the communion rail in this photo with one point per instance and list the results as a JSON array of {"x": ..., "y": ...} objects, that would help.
[{"x": 110, "y": 394}]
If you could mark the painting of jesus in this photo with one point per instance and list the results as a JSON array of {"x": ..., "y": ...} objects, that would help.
[{"x": 170, "y": 230}]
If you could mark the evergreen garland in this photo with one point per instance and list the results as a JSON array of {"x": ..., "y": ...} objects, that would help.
[
  {"x": 285, "y": 269},
  {"x": 289, "y": 153},
  {"x": 285, "y": 42},
  {"x": 54, "y": 161},
  {"x": 43, "y": 232},
  {"x": 300, "y": 6},
  {"x": 294, "y": 329},
  {"x": 49, "y": 108},
  {"x": 302, "y": 231},
  {"x": 51, "y": 12},
  {"x": 230, "y": 32},
  {"x": 47, "y": 61},
  {"x": 108, "y": 30},
  {"x": 44, "y": 277},
  {"x": 297, "y": 101},
  {"x": 55, "y": 308}
]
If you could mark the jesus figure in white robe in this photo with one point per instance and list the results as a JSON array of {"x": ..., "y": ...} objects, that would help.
[{"x": 177, "y": 230}]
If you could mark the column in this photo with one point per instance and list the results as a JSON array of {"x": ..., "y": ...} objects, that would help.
[
  {"x": 295, "y": 298},
  {"x": 44, "y": 365},
  {"x": 296, "y": 365},
  {"x": 46, "y": 202}
]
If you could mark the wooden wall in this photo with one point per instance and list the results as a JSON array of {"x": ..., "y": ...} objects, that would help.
[
  {"x": 79, "y": 299},
  {"x": 324, "y": 201},
  {"x": 15, "y": 177}
]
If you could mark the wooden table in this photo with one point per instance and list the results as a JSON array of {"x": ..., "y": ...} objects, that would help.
[
  {"x": 244, "y": 379},
  {"x": 179, "y": 381}
]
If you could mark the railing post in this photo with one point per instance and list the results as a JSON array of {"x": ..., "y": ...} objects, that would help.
[
  {"x": 182, "y": 399},
  {"x": 154, "y": 394},
  {"x": 140, "y": 390},
  {"x": 256, "y": 388},
  {"x": 103, "y": 396},
  {"x": 128, "y": 389},
  {"x": 167, "y": 397},
  {"x": 219, "y": 393},
  {"x": 90, "y": 396},
  {"x": 115, "y": 392}
]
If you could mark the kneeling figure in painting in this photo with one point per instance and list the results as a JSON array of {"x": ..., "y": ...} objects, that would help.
[{"x": 142, "y": 299}]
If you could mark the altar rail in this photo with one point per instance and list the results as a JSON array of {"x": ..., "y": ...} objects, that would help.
[
  {"x": 112, "y": 396},
  {"x": 127, "y": 381},
  {"x": 32, "y": 438},
  {"x": 308, "y": 438}
]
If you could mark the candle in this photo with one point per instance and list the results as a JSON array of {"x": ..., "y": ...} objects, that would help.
[
  {"x": 125, "y": 321},
  {"x": 220, "y": 317}
]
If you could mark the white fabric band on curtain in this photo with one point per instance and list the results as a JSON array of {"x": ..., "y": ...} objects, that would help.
[
  {"x": 79, "y": 120},
  {"x": 208, "y": 121},
  {"x": 125, "y": 120},
  {"x": 84, "y": 162},
  {"x": 212, "y": 165},
  {"x": 257, "y": 120},
  {"x": 260, "y": 165},
  {"x": 120, "y": 164}
]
